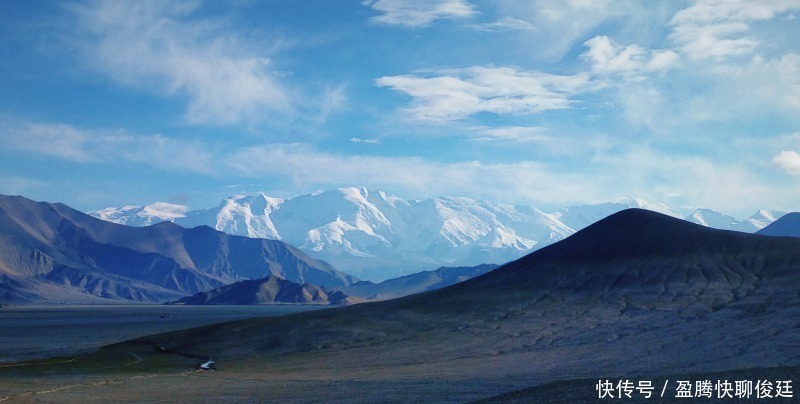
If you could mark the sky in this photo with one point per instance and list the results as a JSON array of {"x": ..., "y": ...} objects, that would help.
[{"x": 547, "y": 103}]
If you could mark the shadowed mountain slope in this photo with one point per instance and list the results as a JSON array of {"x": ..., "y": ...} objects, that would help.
[
  {"x": 787, "y": 226},
  {"x": 636, "y": 292},
  {"x": 269, "y": 290},
  {"x": 642, "y": 253},
  {"x": 417, "y": 283},
  {"x": 52, "y": 253}
]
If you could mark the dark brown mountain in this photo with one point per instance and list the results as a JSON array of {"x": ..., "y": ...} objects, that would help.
[
  {"x": 270, "y": 290},
  {"x": 52, "y": 253}
]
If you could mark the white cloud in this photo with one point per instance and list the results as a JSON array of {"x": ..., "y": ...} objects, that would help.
[
  {"x": 709, "y": 41},
  {"x": 719, "y": 28},
  {"x": 630, "y": 170},
  {"x": 723, "y": 186},
  {"x": 694, "y": 90},
  {"x": 58, "y": 140},
  {"x": 519, "y": 134},
  {"x": 731, "y": 187},
  {"x": 505, "y": 24},
  {"x": 366, "y": 141},
  {"x": 788, "y": 160},
  {"x": 787, "y": 70},
  {"x": 455, "y": 94},
  {"x": 164, "y": 48},
  {"x": 757, "y": 88},
  {"x": 97, "y": 146},
  {"x": 333, "y": 99},
  {"x": 418, "y": 13},
  {"x": 537, "y": 140},
  {"x": 609, "y": 58},
  {"x": 553, "y": 28},
  {"x": 165, "y": 152}
]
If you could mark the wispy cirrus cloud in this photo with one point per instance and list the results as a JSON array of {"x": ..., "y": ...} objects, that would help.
[
  {"x": 704, "y": 84},
  {"x": 454, "y": 94},
  {"x": 51, "y": 139},
  {"x": 79, "y": 145},
  {"x": 505, "y": 24},
  {"x": 418, "y": 13},
  {"x": 170, "y": 49},
  {"x": 542, "y": 139},
  {"x": 20, "y": 185},
  {"x": 519, "y": 134},
  {"x": 557, "y": 26},
  {"x": 365, "y": 141},
  {"x": 721, "y": 29}
]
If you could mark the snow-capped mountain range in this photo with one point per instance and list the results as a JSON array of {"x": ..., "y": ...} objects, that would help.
[{"x": 374, "y": 235}]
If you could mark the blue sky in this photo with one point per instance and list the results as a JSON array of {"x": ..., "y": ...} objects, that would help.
[{"x": 548, "y": 103}]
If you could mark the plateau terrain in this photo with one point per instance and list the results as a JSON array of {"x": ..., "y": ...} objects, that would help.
[{"x": 635, "y": 295}]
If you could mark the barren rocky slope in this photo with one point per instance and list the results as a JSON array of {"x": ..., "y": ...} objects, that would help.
[
  {"x": 52, "y": 253},
  {"x": 635, "y": 295}
]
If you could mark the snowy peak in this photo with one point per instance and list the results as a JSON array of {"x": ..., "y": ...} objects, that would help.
[
  {"x": 52, "y": 253},
  {"x": 461, "y": 220},
  {"x": 142, "y": 215},
  {"x": 343, "y": 221},
  {"x": 248, "y": 216},
  {"x": 635, "y": 202},
  {"x": 710, "y": 218},
  {"x": 496, "y": 226},
  {"x": 758, "y": 221},
  {"x": 376, "y": 235},
  {"x": 578, "y": 217}
]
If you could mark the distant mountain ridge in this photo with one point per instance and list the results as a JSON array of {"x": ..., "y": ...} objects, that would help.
[
  {"x": 269, "y": 290},
  {"x": 417, "y": 283},
  {"x": 376, "y": 236},
  {"x": 716, "y": 220},
  {"x": 51, "y": 253}
]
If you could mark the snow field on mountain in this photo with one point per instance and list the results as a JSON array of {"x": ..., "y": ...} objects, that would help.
[{"x": 375, "y": 235}]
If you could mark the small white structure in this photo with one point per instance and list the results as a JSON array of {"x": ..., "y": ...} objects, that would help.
[{"x": 208, "y": 365}]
